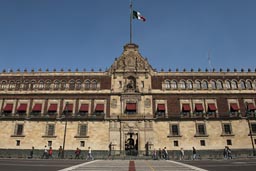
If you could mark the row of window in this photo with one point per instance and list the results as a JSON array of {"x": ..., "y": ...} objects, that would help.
[
  {"x": 52, "y": 108},
  {"x": 49, "y": 85},
  {"x": 50, "y": 130},
  {"x": 174, "y": 131},
  {"x": 195, "y": 106},
  {"x": 213, "y": 84},
  {"x": 208, "y": 106},
  {"x": 202, "y": 132}
]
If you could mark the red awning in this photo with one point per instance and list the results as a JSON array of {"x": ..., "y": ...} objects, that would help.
[
  {"x": 131, "y": 106},
  {"x": 186, "y": 107},
  {"x": 22, "y": 107},
  {"x": 199, "y": 107},
  {"x": 99, "y": 107},
  {"x": 161, "y": 107},
  {"x": 212, "y": 107},
  {"x": 53, "y": 107},
  {"x": 84, "y": 108},
  {"x": 234, "y": 106},
  {"x": 69, "y": 107},
  {"x": 37, "y": 107},
  {"x": 251, "y": 106},
  {"x": 8, "y": 107}
]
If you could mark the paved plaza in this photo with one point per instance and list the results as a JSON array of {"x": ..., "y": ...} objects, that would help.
[{"x": 127, "y": 165}]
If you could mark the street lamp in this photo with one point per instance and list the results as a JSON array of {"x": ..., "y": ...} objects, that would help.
[
  {"x": 65, "y": 129},
  {"x": 250, "y": 128}
]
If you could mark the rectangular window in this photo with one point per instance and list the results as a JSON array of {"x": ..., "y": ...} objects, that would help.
[
  {"x": 174, "y": 130},
  {"x": 160, "y": 109},
  {"x": 229, "y": 142},
  {"x": 49, "y": 143},
  {"x": 19, "y": 129},
  {"x": 17, "y": 142},
  {"x": 202, "y": 142},
  {"x": 227, "y": 129},
  {"x": 82, "y": 143},
  {"x": 50, "y": 130},
  {"x": 82, "y": 130},
  {"x": 253, "y": 128},
  {"x": 99, "y": 109},
  {"x": 176, "y": 143},
  {"x": 201, "y": 130},
  {"x": 131, "y": 108}
]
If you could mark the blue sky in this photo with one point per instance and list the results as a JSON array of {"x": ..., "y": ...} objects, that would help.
[{"x": 88, "y": 34}]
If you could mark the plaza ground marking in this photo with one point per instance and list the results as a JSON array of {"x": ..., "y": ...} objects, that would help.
[
  {"x": 186, "y": 165},
  {"x": 76, "y": 166}
]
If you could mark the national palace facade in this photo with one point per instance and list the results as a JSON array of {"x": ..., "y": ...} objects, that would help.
[{"x": 131, "y": 106}]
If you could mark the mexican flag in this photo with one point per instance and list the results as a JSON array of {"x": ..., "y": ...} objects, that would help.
[{"x": 138, "y": 16}]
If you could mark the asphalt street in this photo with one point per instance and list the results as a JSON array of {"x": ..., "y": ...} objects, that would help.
[{"x": 126, "y": 165}]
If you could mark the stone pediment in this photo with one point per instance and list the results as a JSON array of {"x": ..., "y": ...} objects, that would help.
[{"x": 131, "y": 61}]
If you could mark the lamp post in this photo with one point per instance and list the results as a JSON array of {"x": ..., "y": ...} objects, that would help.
[
  {"x": 250, "y": 132},
  {"x": 65, "y": 130},
  {"x": 250, "y": 128}
]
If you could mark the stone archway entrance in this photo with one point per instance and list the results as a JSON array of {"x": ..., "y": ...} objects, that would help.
[{"x": 131, "y": 144}]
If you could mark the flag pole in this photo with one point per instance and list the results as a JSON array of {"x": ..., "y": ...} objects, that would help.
[{"x": 131, "y": 15}]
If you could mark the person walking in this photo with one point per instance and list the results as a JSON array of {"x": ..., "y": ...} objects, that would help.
[
  {"x": 77, "y": 153},
  {"x": 182, "y": 154},
  {"x": 154, "y": 154},
  {"x": 109, "y": 149},
  {"x": 45, "y": 153},
  {"x": 229, "y": 153},
  {"x": 50, "y": 153},
  {"x": 60, "y": 152},
  {"x": 194, "y": 153},
  {"x": 31, "y": 153},
  {"x": 89, "y": 155},
  {"x": 159, "y": 154},
  {"x": 165, "y": 153}
]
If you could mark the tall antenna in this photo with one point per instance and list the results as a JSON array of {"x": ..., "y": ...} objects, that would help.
[{"x": 209, "y": 60}]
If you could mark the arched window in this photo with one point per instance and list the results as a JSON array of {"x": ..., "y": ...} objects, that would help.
[
  {"x": 189, "y": 85},
  {"x": 167, "y": 84},
  {"x": 87, "y": 84},
  {"x": 242, "y": 84},
  {"x": 198, "y": 84},
  {"x": 182, "y": 84},
  {"x": 3, "y": 85},
  {"x": 72, "y": 85},
  {"x": 233, "y": 84},
  {"x": 18, "y": 84},
  {"x": 40, "y": 84},
  {"x": 48, "y": 85},
  {"x": 56, "y": 85},
  {"x": 248, "y": 84},
  {"x": 228, "y": 84},
  {"x": 63, "y": 85},
  {"x": 174, "y": 84},
  {"x": 78, "y": 84},
  {"x": 26, "y": 85},
  {"x": 33, "y": 85},
  {"x": 94, "y": 84},
  {"x": 219, "y": 85},
  {"x": 12, "y": 84},
  {"x": 204, "y": 85},
  {"x": 213, "y": 84}
]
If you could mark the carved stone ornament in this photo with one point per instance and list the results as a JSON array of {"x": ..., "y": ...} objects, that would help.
[{"x": 130, "y": 60}]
